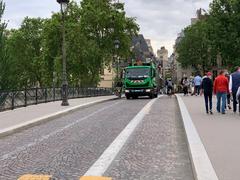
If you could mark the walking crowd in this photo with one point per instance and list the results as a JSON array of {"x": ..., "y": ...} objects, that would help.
[{"x": 226, "y": 87}]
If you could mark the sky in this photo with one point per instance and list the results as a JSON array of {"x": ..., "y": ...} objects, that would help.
[{"x": 159, "y": 20}]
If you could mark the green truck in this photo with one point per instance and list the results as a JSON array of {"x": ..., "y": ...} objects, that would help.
[{"x": 140, "y": 80}]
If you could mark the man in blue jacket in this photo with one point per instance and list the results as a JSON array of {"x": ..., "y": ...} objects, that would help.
[{"x": 234, "y": 84}]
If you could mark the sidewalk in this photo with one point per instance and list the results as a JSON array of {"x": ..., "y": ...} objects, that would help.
[
  {"x": 17, "y": 119},
  {"x": 220, "y": 135}
]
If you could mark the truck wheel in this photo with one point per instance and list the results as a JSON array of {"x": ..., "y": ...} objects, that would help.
[
  {"x": 151, "y": 96},
  {"x": 155, "y": 95},
  {"x": 127, "y": 96}
]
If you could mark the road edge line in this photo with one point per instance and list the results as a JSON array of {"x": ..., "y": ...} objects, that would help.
[
  {"x": 49, "y": 117},
  {"x": 201, "y": 164},
  {"x": 105, "y": 160}
]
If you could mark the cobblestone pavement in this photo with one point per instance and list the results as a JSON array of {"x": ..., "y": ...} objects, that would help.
[
  {"x": 157, "y": 150},
  {"x": 68, "y": 153},
  {"x": 68, "y": 146}
]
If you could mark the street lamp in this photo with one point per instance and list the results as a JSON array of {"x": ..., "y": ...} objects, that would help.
[
  {"x": 117, "y": 46},
  {"x": 64, "y": 4}
]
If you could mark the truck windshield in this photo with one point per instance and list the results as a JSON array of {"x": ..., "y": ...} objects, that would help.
[{"x": 138, "y": 73}]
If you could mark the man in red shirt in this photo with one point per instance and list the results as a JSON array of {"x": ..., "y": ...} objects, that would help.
[{"x": 221, "y": 90}]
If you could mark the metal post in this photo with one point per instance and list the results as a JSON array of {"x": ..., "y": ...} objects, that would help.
[
  {"x": 54, "y": 86},
  {"x": 25, "y": 97},
  {"x": 13, "y": 100},
  {"x": 117, "y": 68},
  {"x": 64, "y": 69},
  {"x": 36, "y": 96},
  {"x": 54, "y": 93},
  {"x": 46, "y": 94}
]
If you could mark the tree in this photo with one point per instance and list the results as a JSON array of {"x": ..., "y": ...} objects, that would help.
[
  {"x": 104, "y": 21},
  {"x": 194, "y": 49},
  {"x": 225, "y": 21},
  {"x": 217, "y": 37},
  {"x": 25, "y": 52},
  {"x": 34, "y": 50},
  {"x": 4, "y": 64}
]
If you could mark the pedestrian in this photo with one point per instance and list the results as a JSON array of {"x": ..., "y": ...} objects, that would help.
[
  {"x": 207, "y": 90},
  {"x": 197, "y": 84},
  {"x": 228, "y": 94},
  {"x": 238, "y": 95},
  {"x": 234, "y": 84},
  {"x": 166, "y": 86},
  {"x": 169, "y": 87},
  {"x": 192, "y": 88},
  {"x": 185, "y": 86},
  {"x": 221, "y": 90}
]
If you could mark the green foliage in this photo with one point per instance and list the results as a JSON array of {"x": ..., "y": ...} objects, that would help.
[
  {"x": 4, "y": 64},
  {"x": 34, "y": 50},
  {"x": 215, "y": 40},
  {"x": 25, "y": 53},
  {"x": 194, "y": 49}
]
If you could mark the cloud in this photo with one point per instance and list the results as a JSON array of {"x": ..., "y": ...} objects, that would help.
[
  {"x": 16, "y": 10},
  {"x": 159, "y": 20},
  {"x": 162, "y": 20}
]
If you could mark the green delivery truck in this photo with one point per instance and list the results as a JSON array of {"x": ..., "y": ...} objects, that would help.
[{"x": 140, "y": 80}]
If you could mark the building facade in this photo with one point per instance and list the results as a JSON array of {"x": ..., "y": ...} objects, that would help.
[{"x": 162, "y": 56}]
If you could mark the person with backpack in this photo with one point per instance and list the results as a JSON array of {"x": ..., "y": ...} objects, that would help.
[
  {"x": 207, "y": 90},
  {"x": 233, "y": 87},
  {"x": 169, "y": 87}
]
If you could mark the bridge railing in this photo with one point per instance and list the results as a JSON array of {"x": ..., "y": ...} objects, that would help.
[{"x": 22, "y": 98}]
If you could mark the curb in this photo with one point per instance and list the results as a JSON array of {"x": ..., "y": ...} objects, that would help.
[
  {"x": 38, "y": 121},
  {"x": 201, "y": 164}
]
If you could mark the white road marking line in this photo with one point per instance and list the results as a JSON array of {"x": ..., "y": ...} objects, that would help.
[
  {"x": 37, "y": 141},
  {"x": 105, "y": 160},
  {"x": 202, "y": 166}
]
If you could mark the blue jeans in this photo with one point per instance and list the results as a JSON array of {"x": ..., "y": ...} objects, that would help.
[
  {"x": 223, "y": 97},
  {"x": 197, "y": 89}
]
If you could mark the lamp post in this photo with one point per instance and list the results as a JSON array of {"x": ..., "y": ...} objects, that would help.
[
  {"x": 63, "y": 5},
  {"x": 116, "y": 46}
]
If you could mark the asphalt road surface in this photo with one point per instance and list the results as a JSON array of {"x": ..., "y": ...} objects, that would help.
[{"x": 68, "y": 146}]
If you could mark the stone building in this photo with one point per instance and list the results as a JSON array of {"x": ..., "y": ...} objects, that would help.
[
  {"x": 107, "y": 78},
  {"x": 162, "y": 56},
  {"x": 142, "y": 48}
]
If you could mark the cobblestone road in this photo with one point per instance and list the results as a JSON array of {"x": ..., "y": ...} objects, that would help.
[
  {"x": 157, "y": 150},
  {"x": 68, "y": 146}
]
